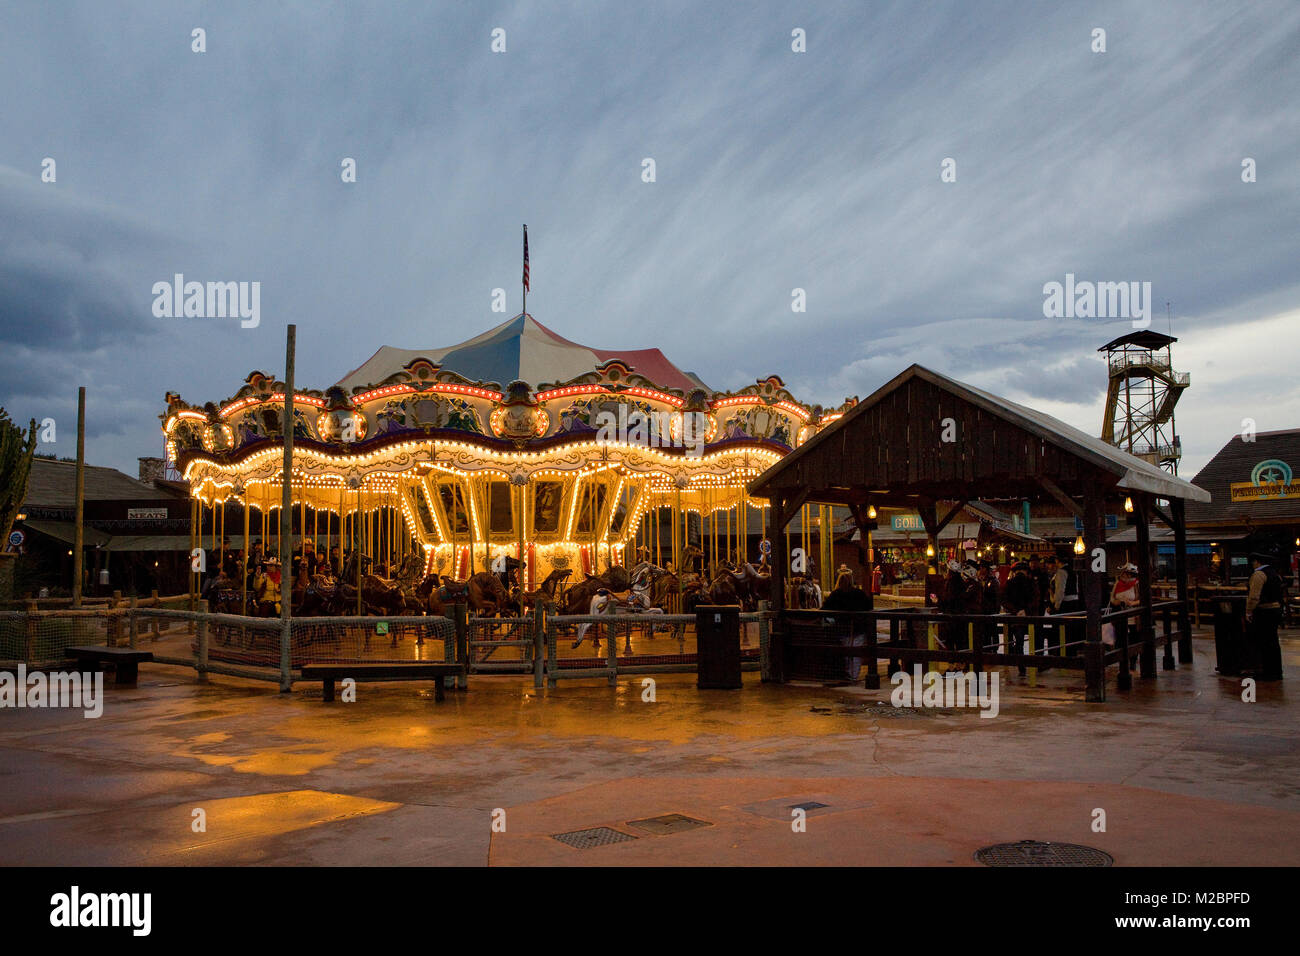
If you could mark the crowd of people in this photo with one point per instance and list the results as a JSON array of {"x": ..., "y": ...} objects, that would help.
[{"x": 226, "y": 581}]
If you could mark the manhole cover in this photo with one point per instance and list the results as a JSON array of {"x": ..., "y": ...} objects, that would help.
[
  {"x": 810, "y": 805},
  {"x": 1036, "y": 853},
  {"x": 592, "y": 837},
  {"x": 668, "y": 823}
]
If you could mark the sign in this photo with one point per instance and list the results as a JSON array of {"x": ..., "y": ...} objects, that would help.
[
  {"x": 907, "y": 523},
  {"x": 765, "y": 546},
  {"x": 1270, "y": 480},
  {"x": 16, "y": 538},
  {"x": 1271, "y": 491},
  {"x": 381, "y": 627},
  {"x": 1112, "y": 522},
  {"x": 146, "y": 514}
]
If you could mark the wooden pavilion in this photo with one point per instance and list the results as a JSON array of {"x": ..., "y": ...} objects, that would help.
[{"x": 930, "y": 443}]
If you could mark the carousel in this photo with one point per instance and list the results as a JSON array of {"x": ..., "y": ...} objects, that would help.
[{"x": 515, "y": 449}]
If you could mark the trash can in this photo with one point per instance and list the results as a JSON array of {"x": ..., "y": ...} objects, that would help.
[
  {"x": 1229, "y": 634},
  {"x": 717, "y": 642}
]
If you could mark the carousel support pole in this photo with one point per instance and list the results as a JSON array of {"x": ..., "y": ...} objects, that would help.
[
  {"x": 522, "y": 497},
  {"x": 286, "y": 515},
  {"x": 356, "y": 547},
  {"x": 243, "y": 575},
  {"x": 189, "y": 563}
]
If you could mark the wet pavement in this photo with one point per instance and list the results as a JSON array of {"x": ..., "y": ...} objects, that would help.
[{"x": 1184, "y": 770}]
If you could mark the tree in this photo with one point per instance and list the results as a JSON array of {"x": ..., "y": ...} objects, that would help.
[{"x": 15, "y": 467}]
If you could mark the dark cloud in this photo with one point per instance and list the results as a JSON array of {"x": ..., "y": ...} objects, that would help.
[{"x": 776, "y": 170}]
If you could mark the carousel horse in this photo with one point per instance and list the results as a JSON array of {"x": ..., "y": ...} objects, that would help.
[
  {"x": 577, "y": 599},
  {"x": 487, "y": 594},
  {"x": 804, "y": 594},
  {"x": 547, "y": 594}
]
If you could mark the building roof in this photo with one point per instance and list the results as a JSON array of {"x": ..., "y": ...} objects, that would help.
[
  {"x": 521, "y": 349},
  {"x": 53, "y": 484},
  {"x": 1242, "y": 462},
  {"x": 977, "y": 467}
]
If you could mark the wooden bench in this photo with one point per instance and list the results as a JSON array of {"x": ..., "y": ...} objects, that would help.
[
  {"x": 415, "y": 670},
  {"x": 125, "y": 660}
]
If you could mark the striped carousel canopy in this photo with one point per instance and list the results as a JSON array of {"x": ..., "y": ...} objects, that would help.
[{"x": 521, "y": 349}]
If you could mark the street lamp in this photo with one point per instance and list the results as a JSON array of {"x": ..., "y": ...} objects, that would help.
[{"x": 1079, "y": 546}]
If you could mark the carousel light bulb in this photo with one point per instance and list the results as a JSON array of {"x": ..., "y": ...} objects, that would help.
[{"x": 1079, "y": 546}]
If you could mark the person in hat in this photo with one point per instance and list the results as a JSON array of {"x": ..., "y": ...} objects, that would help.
[
  {"x": 1125, "y": 594},
  {"x": 1263, "y": 615},
  {"x": 266, "y": 588}
]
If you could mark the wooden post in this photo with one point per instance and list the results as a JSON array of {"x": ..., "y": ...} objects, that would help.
[
  {"x": 611, "y": 650},
  {"x": 539, "y": 643},
  {"x": 930, "y": 519},
  {"x": 1142, "y": 516},
  {"x": 133, "y": 626},
  {"x": 78, "y": 534},
  {"x": 201, "y": 661},
  {"x": 825, "y": 546},
  {"x": 1094, "y": 536},
  {"x": 1178, "y": 508},
  {"x": 774, "y": 664},
  {"x": 1124, "y": 679},
  {"x": 460, "y": 617},
  {"x": 286, "y": 517}
]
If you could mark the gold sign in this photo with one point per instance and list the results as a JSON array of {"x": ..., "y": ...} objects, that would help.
[{"x": 1264, "y": 491}]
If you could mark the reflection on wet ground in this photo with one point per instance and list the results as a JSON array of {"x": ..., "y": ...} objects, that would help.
[{"x": 397, "y": 778}]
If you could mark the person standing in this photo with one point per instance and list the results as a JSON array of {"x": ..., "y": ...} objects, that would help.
[
  {"x": 1019, "y": 597},
  {"x": 990, "y": 601},
  {"x": 848, "y": 597},
  {"x": 1263, "y": 615}
]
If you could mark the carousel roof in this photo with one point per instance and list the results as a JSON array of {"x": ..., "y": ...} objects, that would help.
[{"x": 521, "y": 349}]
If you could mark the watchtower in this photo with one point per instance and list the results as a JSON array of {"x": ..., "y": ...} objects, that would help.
[{"x": 1140, "y": 400}]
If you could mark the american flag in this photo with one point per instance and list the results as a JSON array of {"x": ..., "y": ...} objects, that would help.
[{"x": 526, "y": 288}]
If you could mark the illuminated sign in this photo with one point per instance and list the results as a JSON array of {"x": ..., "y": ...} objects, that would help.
[{"x": 1270, "y": 480}]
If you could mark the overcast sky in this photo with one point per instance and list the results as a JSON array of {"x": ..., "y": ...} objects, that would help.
[{"x": 775, "y": 170}]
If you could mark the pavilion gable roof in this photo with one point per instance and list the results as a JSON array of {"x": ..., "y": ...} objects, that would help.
[{"x": 1132, "y": 473}]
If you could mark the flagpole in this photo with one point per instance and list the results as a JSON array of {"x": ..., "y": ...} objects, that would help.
[{"x": 522, "y": 281}]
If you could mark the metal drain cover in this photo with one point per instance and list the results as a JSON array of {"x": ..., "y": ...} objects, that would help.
[
  {"x": 668, "y": 823},
  {"x": 1037, "y": 853},
  {"x": 809, "y": 805},
  {"x": 592, "y": 837}
]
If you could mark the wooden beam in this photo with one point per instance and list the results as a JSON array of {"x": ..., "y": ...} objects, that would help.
[
  {"x": 951, "y": 514},
  {"x": 1053, "y": 489}
]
